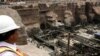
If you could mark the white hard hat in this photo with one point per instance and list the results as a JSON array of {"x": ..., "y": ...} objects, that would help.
[{"x": 7, "y": 24}]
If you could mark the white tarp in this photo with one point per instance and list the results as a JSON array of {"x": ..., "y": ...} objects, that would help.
[{"x": 97, "y": 10}]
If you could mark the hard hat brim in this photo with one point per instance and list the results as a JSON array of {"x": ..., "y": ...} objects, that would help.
[{"x": 9, "y": 29}]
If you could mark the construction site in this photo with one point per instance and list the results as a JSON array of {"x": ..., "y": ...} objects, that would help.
[{"x": 56, "y": 27}]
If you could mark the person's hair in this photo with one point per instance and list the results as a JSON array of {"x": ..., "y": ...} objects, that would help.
[{"x": 5, "y": 36}]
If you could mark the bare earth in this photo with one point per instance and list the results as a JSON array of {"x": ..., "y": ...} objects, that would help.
[{"x": 32, "y": 50}]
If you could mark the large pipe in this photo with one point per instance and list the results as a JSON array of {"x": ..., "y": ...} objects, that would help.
[{"x": 51, "y": 46}]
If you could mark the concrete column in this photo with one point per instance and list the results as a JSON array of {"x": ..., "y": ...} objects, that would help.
[{"x": 5, "y": 0}]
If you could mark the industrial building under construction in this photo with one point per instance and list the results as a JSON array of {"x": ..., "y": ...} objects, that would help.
[{"x": 60, "y": 27}]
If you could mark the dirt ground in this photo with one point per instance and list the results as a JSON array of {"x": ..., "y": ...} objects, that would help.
[{"x": 32, "y": 50}]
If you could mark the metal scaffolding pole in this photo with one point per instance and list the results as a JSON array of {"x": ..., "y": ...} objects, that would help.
[{"x": 68, "y": 44}]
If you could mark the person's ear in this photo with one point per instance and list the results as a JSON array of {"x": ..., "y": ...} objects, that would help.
[{"x": 12, "y": 38}]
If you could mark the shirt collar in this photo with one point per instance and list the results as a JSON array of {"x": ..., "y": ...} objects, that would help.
[{"x": 13, "y": 46}]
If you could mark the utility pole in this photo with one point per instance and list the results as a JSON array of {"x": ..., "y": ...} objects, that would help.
[{"x": 68, "y": 44}]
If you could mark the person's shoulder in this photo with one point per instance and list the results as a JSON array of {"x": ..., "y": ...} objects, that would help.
[{"x": 8, "y": 53}]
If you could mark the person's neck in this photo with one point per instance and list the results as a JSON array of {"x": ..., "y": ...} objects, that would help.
[{"x": 9, "y": 42}]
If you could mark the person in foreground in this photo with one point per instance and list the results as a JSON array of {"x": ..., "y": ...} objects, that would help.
[{"x": 8, "y": 37}]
